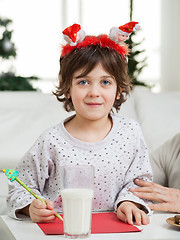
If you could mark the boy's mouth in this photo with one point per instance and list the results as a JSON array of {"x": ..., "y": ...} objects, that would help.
[{"x": 93, "y": 104}]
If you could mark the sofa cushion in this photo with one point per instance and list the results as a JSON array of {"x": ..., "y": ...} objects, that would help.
[
  {"x": 23, "y": 117},
  {"x": 158, "y": 115},
  {"x": 3, "y": 193},
  {"x": 128, "y": 108}
]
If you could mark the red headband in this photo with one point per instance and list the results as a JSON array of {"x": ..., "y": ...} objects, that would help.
[{"x": 77, "y": 39}]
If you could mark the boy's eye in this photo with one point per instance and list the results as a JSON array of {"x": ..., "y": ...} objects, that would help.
[
  {"x": 106, "y": 82},
  {"x": 83, "y": 82}
]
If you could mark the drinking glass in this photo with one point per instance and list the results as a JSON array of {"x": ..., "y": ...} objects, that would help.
[{"x": 77, "y": 190}]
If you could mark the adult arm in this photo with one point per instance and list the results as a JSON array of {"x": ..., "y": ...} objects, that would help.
[{"x": 165, "y": 162}]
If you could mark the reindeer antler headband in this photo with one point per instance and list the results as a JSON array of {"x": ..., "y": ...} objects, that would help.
[{"x": 76, "y": 38}]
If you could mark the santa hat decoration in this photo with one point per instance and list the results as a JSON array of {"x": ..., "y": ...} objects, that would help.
[
  {"x": 76, "y": 39},
  {"x": 74, "y": 34},
  {"x": 128, "y": 27},
  {"x": 102, "y": 40},
  {"x": 122, "y": 33}
]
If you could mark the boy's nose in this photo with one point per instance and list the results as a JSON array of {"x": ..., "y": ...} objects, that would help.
[{"x": 94, "y": 91}]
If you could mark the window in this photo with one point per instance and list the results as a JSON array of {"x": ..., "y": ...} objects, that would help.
[{"x": 38, "y": 25}]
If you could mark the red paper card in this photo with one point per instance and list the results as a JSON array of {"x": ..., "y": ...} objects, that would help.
[{"x": 106, "y": 222}]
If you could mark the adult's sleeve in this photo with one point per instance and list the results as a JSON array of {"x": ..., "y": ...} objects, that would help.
[{"x": 165, "y": 162}]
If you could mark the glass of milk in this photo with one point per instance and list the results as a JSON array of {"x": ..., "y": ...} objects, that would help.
[{"x": 77, "y": 190}]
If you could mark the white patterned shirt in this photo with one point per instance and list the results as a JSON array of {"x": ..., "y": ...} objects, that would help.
[{"x": 118, "y": 159}]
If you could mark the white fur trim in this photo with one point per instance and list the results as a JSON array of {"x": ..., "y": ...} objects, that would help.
[
  {"x": 137, "y": 27},
  {"x": 73, "y": 43},
  {"x": 67, "y": 39},
  {"x": 81, "y": 35}
]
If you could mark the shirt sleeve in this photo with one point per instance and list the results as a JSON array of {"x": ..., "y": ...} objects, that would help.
[
  {"x": 165, "y": 162},
  {"x": 139, "y": 168},
  {"x": 33, "y": 171},
  {"x": 158, "y": 163}
]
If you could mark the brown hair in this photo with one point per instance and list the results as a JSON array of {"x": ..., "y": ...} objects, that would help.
[{"x": 87, "y": 58}]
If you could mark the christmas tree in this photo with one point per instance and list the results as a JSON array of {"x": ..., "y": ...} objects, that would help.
[
  {"x": 135, "y": 66},
  {"x": 9, "y": 81}
]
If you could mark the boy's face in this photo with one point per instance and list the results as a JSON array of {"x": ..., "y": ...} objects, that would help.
[{"x": 93, "y": 95}]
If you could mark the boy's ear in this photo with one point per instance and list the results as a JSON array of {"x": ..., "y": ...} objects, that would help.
[
  {"x": 67, "y": 95},
  {"x": 119, "y": 94}
]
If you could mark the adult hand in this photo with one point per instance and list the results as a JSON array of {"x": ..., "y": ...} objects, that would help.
[
  {"x": 127, "y": 211},
  {"x": 39, "y": 212},
  {"x": 168, "y": 199}
]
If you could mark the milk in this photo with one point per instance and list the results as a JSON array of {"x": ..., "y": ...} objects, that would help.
[{"x": 77, "y": 208}]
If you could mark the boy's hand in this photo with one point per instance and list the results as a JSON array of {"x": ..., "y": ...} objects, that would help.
[
  {"x": 127, "y": 211},
  {"x": 39, "y": 212}
]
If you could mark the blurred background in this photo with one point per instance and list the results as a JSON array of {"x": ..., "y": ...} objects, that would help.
[{"x": 30, "y": 44}]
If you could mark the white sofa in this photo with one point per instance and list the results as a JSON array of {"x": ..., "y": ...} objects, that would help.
[{"x": 25, "y": 115}]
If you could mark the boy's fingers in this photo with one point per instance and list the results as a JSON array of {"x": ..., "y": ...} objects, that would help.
[
  {"x": 128, "y": 212},
  {"x": 129, "y": 216},
  {"x": 48, "y": 219},
  {"x": 129, "y": 219},
  {"x": 121, "y": 216},
  {"x": 140, "y": 217},
  {"x": 37, "y": 218},
  {"x": 40, "y": 212},
  {"x": 50, "y": 204},
  {"x": 39, "y": 208},
  {"x": 145, "y": 218},
  {"x": 137, "y": 216},
  {"x": 38, "y": 204},
  {"x": 45, "y": 212}
]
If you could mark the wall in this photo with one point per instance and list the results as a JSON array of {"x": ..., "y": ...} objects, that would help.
[{"x": 170, "y": 47}]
